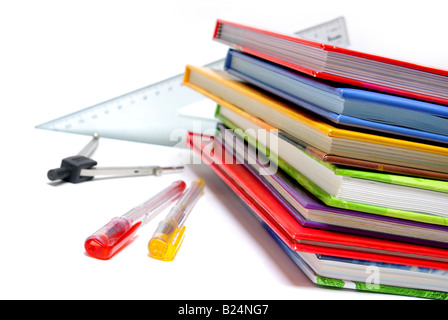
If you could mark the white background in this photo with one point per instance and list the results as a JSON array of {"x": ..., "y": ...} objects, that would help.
[{"x": 57, "y": 57}]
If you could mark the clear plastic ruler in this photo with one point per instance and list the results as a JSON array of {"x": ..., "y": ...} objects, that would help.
[
  {"x": 162, "y": 113},
  {"x": 331, "y": 32},
  {"x": 155, "y": 114}
]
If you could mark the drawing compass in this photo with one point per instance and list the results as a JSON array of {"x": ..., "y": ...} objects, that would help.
[{"x": 81, "y": 167}]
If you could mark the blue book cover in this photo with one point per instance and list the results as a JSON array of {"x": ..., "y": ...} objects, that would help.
[{"x": 344, "y": 105}]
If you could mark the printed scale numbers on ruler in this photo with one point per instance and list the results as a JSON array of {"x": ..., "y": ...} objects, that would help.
[
  {"x": 152, "y": 114},
  {"x": 162, "y": 113}
]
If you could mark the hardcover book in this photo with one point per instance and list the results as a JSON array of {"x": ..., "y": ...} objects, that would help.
[
  {"x": 372, "y": 192},
  {"x": 338, "y": 64},
  {"x": 299, "y": 238},
  {"x": 345, "y": 105},
  {"x": 230, "y": 93},
  {"x": 395, "y": 279},
  {"x": 310, "y": 212}
]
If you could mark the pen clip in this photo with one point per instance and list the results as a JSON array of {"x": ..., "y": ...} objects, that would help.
[
  {"x": 100, "y": 251},
  {"x": 164, "y": 251}
]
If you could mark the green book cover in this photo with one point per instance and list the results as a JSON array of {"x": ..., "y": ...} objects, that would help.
[
  {"x": 333, "y": 201},
  {"x": 337, "y": 283},
  {"x": 354, "y": 285},
  {"x": 408, "y": 181}
]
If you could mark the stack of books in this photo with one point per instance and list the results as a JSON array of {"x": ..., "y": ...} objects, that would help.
[{"x": 342, "y": 155}]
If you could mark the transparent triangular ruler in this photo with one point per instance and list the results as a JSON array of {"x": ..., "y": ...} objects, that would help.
[
  {"x": 162, "y": 113},
  {"x": 331, "y": 32},
  {"x": 156, "y": 114}
]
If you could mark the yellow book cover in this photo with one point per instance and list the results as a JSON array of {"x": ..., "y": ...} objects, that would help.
[{"x": 233, "y": 93}]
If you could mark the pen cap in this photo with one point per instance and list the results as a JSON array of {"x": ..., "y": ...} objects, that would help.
[
  {"x": 165, "y": 248},
  {"x": 168, "y": 236},
  {"x": 105, "y": 242}
]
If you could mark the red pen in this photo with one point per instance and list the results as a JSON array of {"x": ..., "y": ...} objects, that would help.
[{"x": 108, "y": 240}]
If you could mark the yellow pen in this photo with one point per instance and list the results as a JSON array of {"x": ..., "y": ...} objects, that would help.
[{"x": 168, "y": 236}]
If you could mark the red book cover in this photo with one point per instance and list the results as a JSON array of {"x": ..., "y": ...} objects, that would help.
[
  {"x": 303, "y": 239},
  {"x": 325, "y": 61}
]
